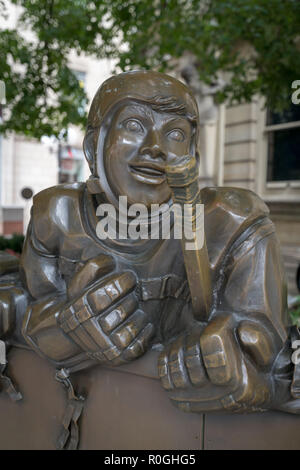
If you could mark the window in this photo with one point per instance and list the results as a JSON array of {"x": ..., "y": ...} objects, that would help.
[
  {"x": 71, "y": 161},
  {"x": 283, "y": 134},
  {"x": 81, "y": 77}
]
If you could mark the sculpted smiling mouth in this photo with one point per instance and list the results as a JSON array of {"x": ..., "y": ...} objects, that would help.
[{"x": 150, "y": 173}]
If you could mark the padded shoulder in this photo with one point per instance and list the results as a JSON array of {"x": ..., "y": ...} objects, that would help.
[
  {"x": 228, "y": 213},
  {"x": 236, "y": 201},
  {"x": 56, "y": 212}
]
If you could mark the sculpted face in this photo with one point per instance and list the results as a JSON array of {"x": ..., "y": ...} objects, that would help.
[{"x": 137, "y": 147}]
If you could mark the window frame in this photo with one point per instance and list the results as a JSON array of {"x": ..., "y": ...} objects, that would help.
[{"x": 285, "y": 190}]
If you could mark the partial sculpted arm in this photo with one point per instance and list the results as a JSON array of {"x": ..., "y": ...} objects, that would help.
[
  {"x": 229, "y": 363},
  {"x": 95, "y": 318}
]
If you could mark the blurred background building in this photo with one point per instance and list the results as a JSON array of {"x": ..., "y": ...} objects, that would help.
[
  {"x": 245, "y": 146},
  {"x": 27, "y": 166}
]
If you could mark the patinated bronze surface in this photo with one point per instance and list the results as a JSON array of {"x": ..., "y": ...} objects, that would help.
[{"x": 216, "y": 317}]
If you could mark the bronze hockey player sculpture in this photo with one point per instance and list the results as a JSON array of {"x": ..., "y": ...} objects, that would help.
[{"x": 83, "y": 301}]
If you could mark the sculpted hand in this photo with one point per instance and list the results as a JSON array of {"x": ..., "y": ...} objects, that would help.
[
  {"x": 222, "y": 367},
  {"x": 105, "y": 321}
]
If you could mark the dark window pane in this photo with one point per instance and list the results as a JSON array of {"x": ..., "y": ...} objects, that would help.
[
  {"x": 284, "y": 155},
  {"x": 289, "y": 115}
]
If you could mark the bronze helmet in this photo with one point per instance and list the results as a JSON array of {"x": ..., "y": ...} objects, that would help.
[{"x": 161, "y": 91}]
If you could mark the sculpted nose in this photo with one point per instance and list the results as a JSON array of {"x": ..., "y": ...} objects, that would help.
[{"x": 153, "y": 146}]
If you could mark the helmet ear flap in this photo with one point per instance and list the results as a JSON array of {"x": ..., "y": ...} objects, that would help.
[{"x": 89, "y": 148}]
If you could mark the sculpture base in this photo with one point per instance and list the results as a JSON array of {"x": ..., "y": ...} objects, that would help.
[{"x": 126, "y": 409}]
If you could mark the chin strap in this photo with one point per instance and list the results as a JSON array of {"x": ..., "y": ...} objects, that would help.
[
  {"x": 163, "y": 287},
  {"x": 93, "y": 185},
  {"x": 69, "y": 436}
]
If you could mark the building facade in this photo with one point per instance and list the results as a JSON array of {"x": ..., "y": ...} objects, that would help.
[
  {"x": 262, "y": 153},
  {"x": 28, "y": 166}
]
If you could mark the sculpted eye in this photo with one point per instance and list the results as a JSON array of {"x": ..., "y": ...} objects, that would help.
[
  {"x": 177, "y": 135},
  {"x": 132, "y": 125}
]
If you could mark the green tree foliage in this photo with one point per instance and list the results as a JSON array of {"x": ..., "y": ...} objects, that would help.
[
  {"x": 44, "y": 96},
  {"x": 14, "y": 243}
]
